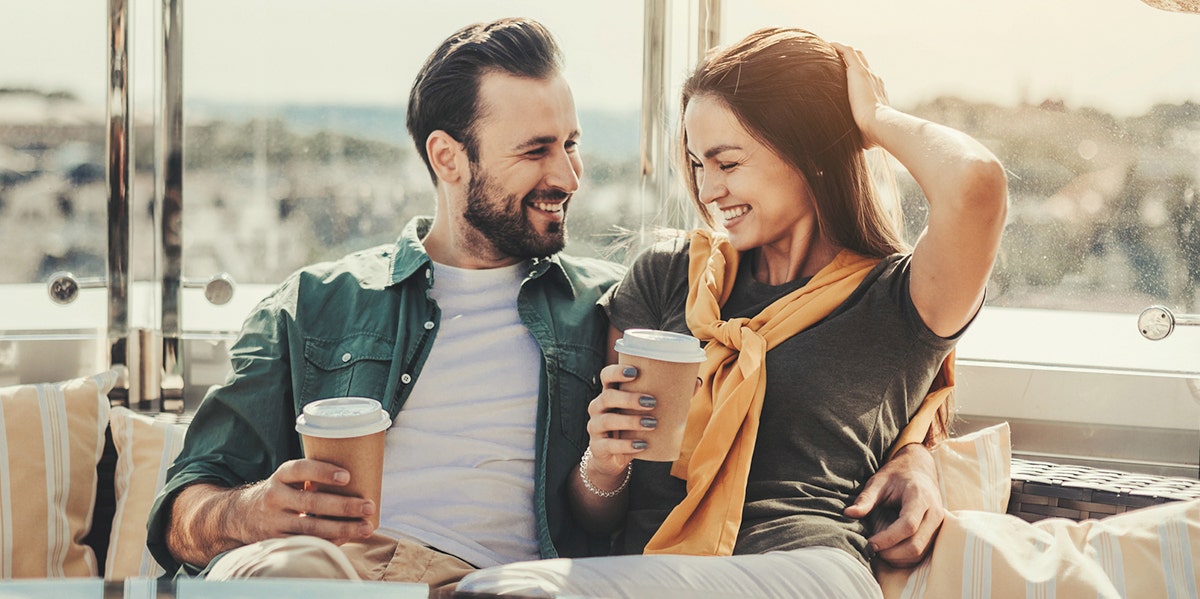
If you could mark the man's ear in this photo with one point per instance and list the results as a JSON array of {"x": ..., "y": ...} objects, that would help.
[{"x": 447, "y": 156}]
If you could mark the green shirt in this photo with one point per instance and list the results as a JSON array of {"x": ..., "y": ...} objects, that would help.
[{"x": 363, "y": 326}]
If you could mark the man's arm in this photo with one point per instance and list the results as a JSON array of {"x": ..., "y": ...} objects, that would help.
[
  {"x": 207, "y": 519},
  {"x": 907, "y": 483}
]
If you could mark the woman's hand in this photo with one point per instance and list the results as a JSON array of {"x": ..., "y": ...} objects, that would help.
[
  {"x": 615, "y": 418},
  {"x": 866, "y": 91},
  {"x": 599, "y": 495}
]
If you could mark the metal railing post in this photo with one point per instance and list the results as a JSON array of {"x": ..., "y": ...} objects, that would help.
[
  {"x": 169, "y": 228},
  {"x": 655, "y": 182},
  {"x": 708, "y": 27},
  {"x": 118, "y": 174}
]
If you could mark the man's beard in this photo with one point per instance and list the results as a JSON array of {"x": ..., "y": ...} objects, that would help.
[{"x": 500, "y": 218}]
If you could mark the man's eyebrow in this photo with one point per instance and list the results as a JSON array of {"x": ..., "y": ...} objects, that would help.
[{"x": 542, "y": 140}]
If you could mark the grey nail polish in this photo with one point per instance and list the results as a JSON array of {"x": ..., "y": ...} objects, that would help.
[
  {"x": 647, "y": 402},
  {"x": 649, "y": 422},
  {"x": 630, "y": 371},
  {"x": 639, "y": 444}
]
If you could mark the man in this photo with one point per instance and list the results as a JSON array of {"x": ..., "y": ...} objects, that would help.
[{"x": 473, "y": 323}]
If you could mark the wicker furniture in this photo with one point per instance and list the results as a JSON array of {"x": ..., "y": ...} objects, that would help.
[{"x": 1045, "y": 490}]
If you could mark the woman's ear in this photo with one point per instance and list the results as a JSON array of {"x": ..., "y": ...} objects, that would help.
[{"x": 447, "y": 156}]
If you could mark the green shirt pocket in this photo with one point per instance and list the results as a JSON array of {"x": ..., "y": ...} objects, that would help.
[
  {"x": 356, "y": 365},
  {"x": 578, "y": 383}
]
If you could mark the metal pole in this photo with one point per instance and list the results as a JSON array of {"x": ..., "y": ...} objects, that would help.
[
  {"x": 119, "y": 152},
  {"x": 170, "y": 212},
  {"x": 655, "y": 181},
  {"x": 708, "y": 27}
]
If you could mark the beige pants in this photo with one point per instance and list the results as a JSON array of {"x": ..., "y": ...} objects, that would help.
[
  {"x": 807, "y": 573},
  {"x": 378, "y": 558}
]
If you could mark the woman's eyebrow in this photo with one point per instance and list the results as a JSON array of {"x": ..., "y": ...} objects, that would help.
[{"x": 713, "y": 151}]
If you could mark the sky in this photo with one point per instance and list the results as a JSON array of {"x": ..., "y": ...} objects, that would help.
[{"x": 1117, "y": 55}]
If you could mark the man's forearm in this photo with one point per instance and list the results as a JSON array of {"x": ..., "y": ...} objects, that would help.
[{"x": 202, "y": 526}]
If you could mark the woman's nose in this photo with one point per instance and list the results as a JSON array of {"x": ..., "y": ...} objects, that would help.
[{"x": 710, "y": 188}]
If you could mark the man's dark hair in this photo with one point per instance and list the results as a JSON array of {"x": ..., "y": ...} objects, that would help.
[{"x": 445, "y": 95}]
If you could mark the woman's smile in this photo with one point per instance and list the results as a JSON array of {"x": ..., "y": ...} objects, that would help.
[{"x": 732, "y": 214}]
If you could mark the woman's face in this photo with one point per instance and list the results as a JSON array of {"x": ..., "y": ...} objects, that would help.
[{"x": 759, "y": 199}]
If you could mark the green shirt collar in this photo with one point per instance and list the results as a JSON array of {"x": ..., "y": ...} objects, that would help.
[{"x": 410, "y": 257}]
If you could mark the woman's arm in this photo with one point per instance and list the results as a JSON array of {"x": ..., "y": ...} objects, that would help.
[
  {"x": 601, "y": 507},
  {"x": 651, "y": 295},
  {"x": 965, "y": 186}
]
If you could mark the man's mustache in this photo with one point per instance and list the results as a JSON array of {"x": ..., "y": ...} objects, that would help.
[{"x": 547, "y": 195}]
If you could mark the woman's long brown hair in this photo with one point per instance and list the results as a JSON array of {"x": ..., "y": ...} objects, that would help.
[{"x": 787, "y": 87}]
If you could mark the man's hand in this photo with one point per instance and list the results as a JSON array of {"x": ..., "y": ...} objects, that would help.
[
  {"x": 207, "y": 519},
  {"x": 279, "y": 506},
  {"x": 909, "y": 482}
]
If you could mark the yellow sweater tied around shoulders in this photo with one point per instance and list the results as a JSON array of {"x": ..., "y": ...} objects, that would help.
[{"x": 722, "y": 423}]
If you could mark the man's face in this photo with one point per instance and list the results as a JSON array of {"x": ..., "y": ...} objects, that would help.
[{"x": 528, "y": 165}]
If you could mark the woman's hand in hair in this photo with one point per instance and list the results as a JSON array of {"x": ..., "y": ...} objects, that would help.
[{"x": 867, "y": 93}]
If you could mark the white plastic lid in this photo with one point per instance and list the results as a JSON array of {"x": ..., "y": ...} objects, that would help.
[
  {"x": 342, "y": 418},
  {"x": 660, "y": 345}
]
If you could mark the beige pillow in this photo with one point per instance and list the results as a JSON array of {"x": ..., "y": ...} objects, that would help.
[
  {"x": 146, "y": 448},
  {"x": 51, "y": 438},
  {"x": 1148, "y": 552},
  {"x": 982, "y": 552},
  {"x": 975, "y": 470}
]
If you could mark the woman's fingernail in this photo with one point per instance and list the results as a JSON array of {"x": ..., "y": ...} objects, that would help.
[
  {"x": 630, "y": 371},
  {"x": 647, "y": 402},
  {"x": 341, "y": 476},
  {"x": 649, "y": 422},
  {"x": 639, "y": 444}
]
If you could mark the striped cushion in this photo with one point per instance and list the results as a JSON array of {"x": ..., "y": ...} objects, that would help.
[
  {"x": 974, "y": 474},
  {"x": 51, "y": 438},
  {"x": 975, "y": 470},
  {"x": 983, "y": 552},
  {"x": 146, "y": 448},
  {"x": 1149, "y": 552}
]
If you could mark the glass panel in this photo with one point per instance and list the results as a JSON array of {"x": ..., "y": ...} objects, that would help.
[
  {"x": 296, "y": 148},
  {"x": 1094, "y": 108},
  {"x": 52, "y": 193},
  {"x": 1091, "y": 105}
]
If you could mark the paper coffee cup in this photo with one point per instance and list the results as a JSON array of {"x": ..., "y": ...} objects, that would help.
[
  {"x": 349, "y": 432},
  {"x": 667, "y": 366}
]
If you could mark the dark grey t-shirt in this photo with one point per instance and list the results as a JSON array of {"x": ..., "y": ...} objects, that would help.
[{"x": 837, "y": 396}]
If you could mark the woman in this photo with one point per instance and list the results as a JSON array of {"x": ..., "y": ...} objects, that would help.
[{"x": 813, "y": 272}]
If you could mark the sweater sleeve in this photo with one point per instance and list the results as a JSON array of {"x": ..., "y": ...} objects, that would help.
[{"x": 653, "y": 294}]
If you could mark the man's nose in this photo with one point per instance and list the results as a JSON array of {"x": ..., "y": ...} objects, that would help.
[{"x": 565, "y": 170}]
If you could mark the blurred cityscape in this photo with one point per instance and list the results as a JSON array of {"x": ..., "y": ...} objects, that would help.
[{"x": 1105, "y": 211}]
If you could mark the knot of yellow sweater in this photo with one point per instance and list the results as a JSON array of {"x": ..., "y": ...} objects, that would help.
[{"x": 722, "y": 423}]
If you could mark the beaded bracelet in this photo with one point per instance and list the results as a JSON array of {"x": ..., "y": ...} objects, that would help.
[{"x": 583, "y": 466}]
